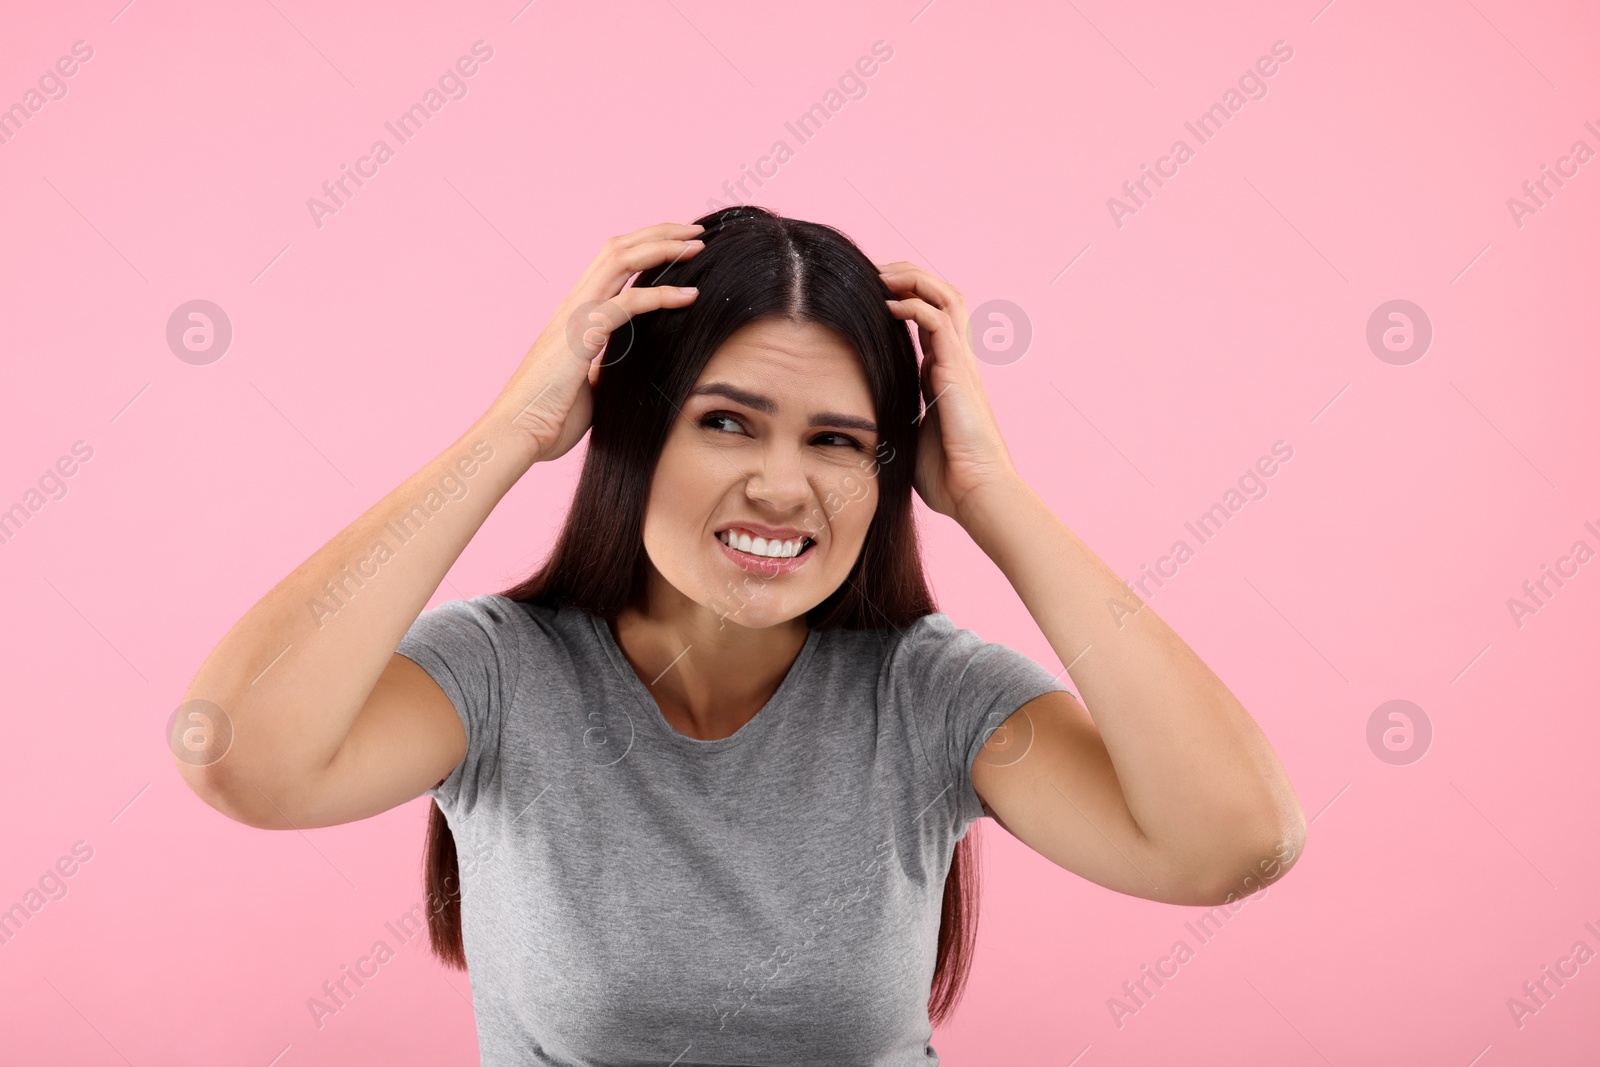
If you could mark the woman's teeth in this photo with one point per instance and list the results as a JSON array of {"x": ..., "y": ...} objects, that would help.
[{"x": 759, "y": 546}]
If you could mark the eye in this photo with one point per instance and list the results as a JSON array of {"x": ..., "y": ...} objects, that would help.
[
  {"x": 849, "y": 442},
  {"x": 717, "y": 416},
  {"x": 832, "y": 439}
]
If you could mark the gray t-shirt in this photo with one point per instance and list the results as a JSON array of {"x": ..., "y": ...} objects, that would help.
[{"x": 632, "y": 895}]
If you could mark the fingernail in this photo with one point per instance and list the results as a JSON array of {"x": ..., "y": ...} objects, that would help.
[{"x": 688, "y": 288}]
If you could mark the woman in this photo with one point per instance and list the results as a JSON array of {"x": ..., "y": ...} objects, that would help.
[{"x": 706, "y": 777}]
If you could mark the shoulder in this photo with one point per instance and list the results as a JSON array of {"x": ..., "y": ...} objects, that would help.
[
  {"x": 928, "y": 638},
  {"x": 887, "y": 644},
  {"x": 489, "y": 613},
  {"x": 905, "y": 662},
  {"x": 933, "y": 659},
  {"x": 495, "y": 623}
]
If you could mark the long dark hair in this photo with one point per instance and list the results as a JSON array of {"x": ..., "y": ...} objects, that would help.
[{"x": 755, "y": 265}]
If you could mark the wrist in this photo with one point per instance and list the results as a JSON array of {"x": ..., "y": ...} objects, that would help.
[
  {"x": 513, "y": 448},
  {"x": 991, "y": 496},
  {"x": 990, "y": 500}
]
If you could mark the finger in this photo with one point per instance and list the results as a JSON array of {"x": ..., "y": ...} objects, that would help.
[
  {"x": 613, "y": 246},
  {"x": 615, "y": 271},
  {"x": 931, "y": 322},
  {"x": 617, "y": 263},
  {"x": 926, "y": 286},
  {"x": 921, "y": 312},
  {"x": 591, "y": 323},
  {"x": 658, "y": 232}
]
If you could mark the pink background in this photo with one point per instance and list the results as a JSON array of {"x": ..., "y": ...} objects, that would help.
[{"x": 1227, "y": 313}]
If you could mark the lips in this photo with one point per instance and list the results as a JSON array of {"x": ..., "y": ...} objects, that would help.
[
  {"x": 765, "y": 566},
  {"x": 771, "y": 533},
  {"x": 738, "y": 537}
]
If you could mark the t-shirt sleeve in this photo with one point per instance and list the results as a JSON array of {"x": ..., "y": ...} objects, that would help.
[
  {"x": 469, "y": 648},
  {"x": 956, "y": 689}
]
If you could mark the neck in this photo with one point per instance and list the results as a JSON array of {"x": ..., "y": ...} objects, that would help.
[{"x": 708, "y": 675}]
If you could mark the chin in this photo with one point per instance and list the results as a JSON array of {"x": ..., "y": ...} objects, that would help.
[{"x": 752, "y": 616}]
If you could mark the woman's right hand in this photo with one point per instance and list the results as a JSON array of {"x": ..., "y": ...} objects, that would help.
[{"x": 548, "y": 401}]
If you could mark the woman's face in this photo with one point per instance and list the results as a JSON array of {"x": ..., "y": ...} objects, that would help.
[{"x": 777, "y": 437}]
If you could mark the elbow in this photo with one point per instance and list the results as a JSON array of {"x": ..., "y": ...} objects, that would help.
[
  {"x": 206, "y": 757},
  {"x": 206, "y": 784},
  {"x": 199, "y": 735},
  {"x": 203, "y": 779},
  {"x": 219, "y": 793},
  {"x": 1258, "y": 866}
]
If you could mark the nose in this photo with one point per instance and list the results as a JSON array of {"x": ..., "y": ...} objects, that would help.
[{"x": 779, "y": 481}]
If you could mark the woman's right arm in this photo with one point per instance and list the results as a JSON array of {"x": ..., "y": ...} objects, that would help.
[
  {"x": 321, "y": 721},
  {"x": 316, "y": 654}
]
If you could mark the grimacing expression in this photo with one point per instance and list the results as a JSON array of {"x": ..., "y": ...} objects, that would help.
[{"x": 779, "y": 431}]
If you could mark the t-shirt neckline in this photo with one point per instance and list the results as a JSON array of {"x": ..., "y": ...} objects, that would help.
[{"x": 759, "y": 724}]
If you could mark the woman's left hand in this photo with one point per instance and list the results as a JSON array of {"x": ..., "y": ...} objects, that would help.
[{"x": 959, "y": 448}]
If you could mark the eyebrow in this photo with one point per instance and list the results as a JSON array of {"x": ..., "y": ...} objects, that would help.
[{"x": 767, "y": 407}]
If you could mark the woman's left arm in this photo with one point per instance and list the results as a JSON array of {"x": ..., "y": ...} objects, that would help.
[{"x": 1172, "y": 791}]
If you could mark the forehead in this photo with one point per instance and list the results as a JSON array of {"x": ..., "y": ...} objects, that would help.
[{"x": 776, "y": 350}]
